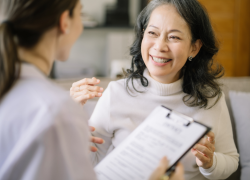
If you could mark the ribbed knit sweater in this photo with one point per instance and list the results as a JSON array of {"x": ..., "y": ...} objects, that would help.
[{"x": 118, "y": 113}]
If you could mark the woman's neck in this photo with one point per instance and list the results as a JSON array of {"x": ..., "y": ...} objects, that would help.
[
  {"x": 167, "y": 79},
  {"x": 42, "y": 55}
]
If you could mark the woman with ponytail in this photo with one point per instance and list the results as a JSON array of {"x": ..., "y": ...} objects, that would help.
[
  {"x": 172, "y": 65},
  {"x": 43, "y": 134}
]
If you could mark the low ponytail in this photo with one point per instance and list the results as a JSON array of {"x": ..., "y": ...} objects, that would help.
[{"x": 9, "y": 62}]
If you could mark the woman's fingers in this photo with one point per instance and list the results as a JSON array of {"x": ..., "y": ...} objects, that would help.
[
  {"x": 160, "y": 170},
  {"x": 206, "y": 142},
  {"x": 91, "y": 88},
  {"x": 204, "y": 161},
  {"x": 211, "y": 137},
  {"x": 86, "y": 81},
  {"x": 204, "y": 155},
  {"x": 86, "y": 89},
  {"x": 91, "y": 128},
  {"x": 158, "y": 174},
  {"x": 83, "y": 98},
  {"x": 179, "y": 173},
  {"x": 96, "y": 140},
  {"x": 203, "y": 149},
  {"x": 93, "y": 149}
]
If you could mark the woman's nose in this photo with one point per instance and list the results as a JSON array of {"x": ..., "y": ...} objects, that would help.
[{"x": 161, "y": 45}]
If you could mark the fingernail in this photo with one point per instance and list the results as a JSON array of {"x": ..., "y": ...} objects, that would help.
[
  {"x": 97, "y": 80},
  {"x": 101, "y": 89},
  {"x": 99, "y": 94},
  {"x": 103, "y": 142}
]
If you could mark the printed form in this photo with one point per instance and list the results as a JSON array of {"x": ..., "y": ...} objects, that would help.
[{"x": 163, "y": 133}]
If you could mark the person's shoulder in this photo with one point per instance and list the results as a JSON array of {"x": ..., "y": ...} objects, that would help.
[
  {"x": 126, "y": 85},
  {"x": 117, "y": 85},
  {"x": 218, "y": 102},
  {"x": 41, "y": 103},
  {"x": 46, "y": 94}
]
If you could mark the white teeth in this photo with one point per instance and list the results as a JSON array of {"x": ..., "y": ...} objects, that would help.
[{"x": 159, "y": 60}]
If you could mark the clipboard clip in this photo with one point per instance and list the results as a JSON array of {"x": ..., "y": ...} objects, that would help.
[{"x": 179, "y": 118}]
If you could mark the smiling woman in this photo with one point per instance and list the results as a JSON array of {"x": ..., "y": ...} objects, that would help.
[
  {"x": 178, "y": 34},
  {"x": 167, "y": 44},
  {"x": 172, "y": 65}
]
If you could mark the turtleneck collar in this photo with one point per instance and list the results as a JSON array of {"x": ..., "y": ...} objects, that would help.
[{"x": 161, "y": 89}]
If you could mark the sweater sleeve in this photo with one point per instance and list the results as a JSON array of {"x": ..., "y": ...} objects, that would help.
[
  {"x": 226, "y": 157},
  {"x": 100, "y": 119}
]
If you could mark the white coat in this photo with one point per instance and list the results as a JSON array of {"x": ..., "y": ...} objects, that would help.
[{"x": 43, "y": 133}]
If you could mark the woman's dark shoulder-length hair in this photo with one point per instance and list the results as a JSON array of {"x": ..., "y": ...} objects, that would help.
[{"x": 200, "y": 74}]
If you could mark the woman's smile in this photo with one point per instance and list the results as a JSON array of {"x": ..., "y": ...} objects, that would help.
[{"x": 160, "y": 61}]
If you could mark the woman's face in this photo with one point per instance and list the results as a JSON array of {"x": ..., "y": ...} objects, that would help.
[
  {"x": 166, "y": 44},
  {"x": 74, "y": 30}
]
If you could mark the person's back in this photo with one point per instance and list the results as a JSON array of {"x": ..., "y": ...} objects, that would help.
[
  {"x": 39, "y": 124},
  {"x": 43, "y": 133}
]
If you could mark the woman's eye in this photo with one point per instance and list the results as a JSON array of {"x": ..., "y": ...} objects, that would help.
[
  {"x": 151, "y": 33},
  {"x": 174, "y": 37}
]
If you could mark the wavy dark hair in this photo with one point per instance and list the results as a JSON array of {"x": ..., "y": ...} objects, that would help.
[
  {"x": 200, "y": 74},
  {"x": 25, "y": 23}
]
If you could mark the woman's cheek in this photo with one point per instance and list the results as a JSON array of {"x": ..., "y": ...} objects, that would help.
[{"x": 144, "y": 48}]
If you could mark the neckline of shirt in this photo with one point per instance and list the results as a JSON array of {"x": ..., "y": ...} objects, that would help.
[
  {"x": 30, "y": 71},
  {"x": 161, "y": 89}
]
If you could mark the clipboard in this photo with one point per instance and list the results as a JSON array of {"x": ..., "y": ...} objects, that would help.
[{"x": 164, "y": 132}]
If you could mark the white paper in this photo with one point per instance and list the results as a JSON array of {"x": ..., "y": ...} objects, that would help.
[{"x": 139, "y": 155}]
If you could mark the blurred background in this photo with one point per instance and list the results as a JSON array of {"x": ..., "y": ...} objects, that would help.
[{"x": 103, "y": 48}]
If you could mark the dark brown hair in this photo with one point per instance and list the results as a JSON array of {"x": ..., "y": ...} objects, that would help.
[
  {"x": 200, "y": 74},
  {"x": 25, "y": 23}
]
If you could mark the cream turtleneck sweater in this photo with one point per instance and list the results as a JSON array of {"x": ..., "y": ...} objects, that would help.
[{"x": 118, "y": 113}]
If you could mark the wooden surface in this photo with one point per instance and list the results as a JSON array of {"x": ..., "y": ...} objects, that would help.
[{"x": 231, "y": 22}]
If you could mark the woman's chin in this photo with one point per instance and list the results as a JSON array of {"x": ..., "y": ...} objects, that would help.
[{"x": 157, "y": 73}]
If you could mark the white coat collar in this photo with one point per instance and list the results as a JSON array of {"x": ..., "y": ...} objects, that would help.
[{"x": 30, "y": 71}]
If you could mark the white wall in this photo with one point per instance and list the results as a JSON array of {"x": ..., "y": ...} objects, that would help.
[
  {"x": 94, "y": 51},
  {"x": 96, "y": 8}
]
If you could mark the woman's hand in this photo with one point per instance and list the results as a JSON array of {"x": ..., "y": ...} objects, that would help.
[
  {"x": 85, "y": 89},
  {"x": 204, "y": 151},
  {"x": 95, "y": 140},
  {"x": 158, "y": 174}
]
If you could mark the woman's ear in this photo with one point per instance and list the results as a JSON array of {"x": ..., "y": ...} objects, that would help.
[
  {"x": 196, "y": 48},
  {"x": 64, "y": 22}
]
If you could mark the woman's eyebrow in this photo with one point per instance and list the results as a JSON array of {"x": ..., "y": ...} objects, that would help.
[
  {"x": 172, "y": 30},
  {"x": 153, "y": 26}
]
